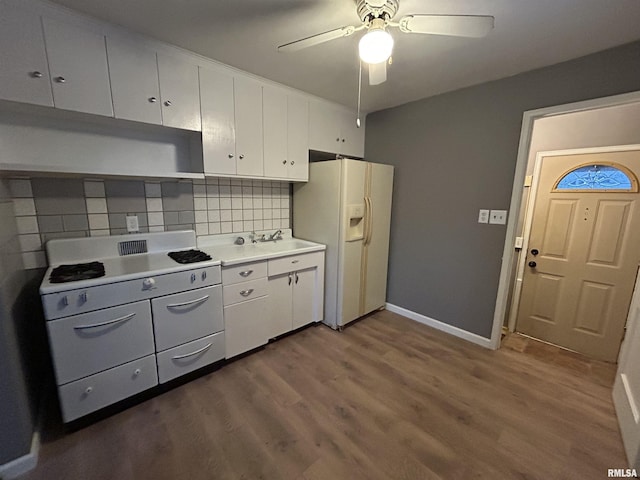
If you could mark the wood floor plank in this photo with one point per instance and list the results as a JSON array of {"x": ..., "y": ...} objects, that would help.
[{"x": 387, "y": 398}]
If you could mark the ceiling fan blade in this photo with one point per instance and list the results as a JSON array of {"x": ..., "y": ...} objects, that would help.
[
  {"x": 377, "y": 73},
  {"x": 454, "y": 25},
  {"x": 317, "y": 39}
]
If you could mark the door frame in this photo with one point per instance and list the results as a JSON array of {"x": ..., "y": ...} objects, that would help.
[
  {"x": 509, "y": 254},
  {"x": 518, "y": 278}
]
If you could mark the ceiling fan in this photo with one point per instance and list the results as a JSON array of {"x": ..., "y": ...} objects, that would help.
[{"x": 376, "y": 45}]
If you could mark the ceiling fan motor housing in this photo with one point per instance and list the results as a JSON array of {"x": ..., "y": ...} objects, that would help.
[{"x": 369, "y": 10}]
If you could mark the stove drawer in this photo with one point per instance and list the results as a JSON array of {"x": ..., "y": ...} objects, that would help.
[
  {"x": 91, "y": 342},
  {"x": 97, "y": 391},
  {"x": 183, "y": 317},
  {"x": 189, "y": 357}
]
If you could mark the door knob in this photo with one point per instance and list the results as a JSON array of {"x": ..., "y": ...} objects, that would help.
[
  {"x": 533, "y": 264},
  {"x": 534, "y": 251}
]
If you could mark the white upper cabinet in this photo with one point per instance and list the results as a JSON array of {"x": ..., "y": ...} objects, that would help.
[
  {"x": 218, "y": 122},
  {"x": 276, "y": 157},
  {"x": 298, "y": 137},
  {"x": 248, "y": 113},
  {"x": 333, "y": 129},
  {"x": 179, "y": 92},
  {"x": 78, "y": 67},
  {"x": 24, "y": 73},
  {"x": 286, "y": 132},
  {"x": 134, "y": 81}
]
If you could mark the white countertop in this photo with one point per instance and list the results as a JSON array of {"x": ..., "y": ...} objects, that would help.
[{"x": 221, "y": 248}]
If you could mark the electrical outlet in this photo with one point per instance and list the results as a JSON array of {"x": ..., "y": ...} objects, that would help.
[
  {"x": 483, "y": 216},
  {"x": 132, "y": 224},
  {"x": 498, "y": 217}
]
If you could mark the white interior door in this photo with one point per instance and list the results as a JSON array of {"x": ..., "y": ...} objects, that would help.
[{"x": 626, "y": 389}]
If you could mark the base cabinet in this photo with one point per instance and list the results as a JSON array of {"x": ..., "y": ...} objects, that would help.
[{"x": 244, "y": 326}]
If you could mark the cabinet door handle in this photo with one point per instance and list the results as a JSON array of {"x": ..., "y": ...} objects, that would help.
[
  {"x": 191, "y": 302},
  {"x": 246, "y": 293},
  {"x": 61, "y": 79},
  {"x": 168, "y": 103},
  {"x": 153, "y": 99},
  {"x": 36, "y": 74},
  {"x": 293, "y": 162},
  {"x": 297, "y": 278},
  {"x": 246, "y": 273},
  {"x": 231, "y": 155},
  {"x": 241, "y": 156},
  {"x": 103, "y": 324},
  {"x": 200, "y": 350},
  {"x": 284, "y": 162},
  {"x": 289, "y": 279}
]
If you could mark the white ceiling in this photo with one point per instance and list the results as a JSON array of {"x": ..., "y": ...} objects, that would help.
[{"x": 245, "y": 33}]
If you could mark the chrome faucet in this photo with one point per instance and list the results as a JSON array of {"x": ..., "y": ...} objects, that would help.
[
  {"x": 277, "y": 235},
  {"x": 255, "y": 238}
]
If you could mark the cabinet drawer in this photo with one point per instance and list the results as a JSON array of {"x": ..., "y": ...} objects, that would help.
[
  {"x": 244, "y": 272},
  {"x": 278, "y": 266},
  {"x": 97, "y": 391},
  {"x": 245, "y": 326},
  {"x": 183, "y": 317},
  {"x": 91, "y": 342},
  {"x": 189, "y": 357},
  {"x": 241, "y": 292}
]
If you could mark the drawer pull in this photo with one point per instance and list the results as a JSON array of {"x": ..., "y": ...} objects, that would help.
[
  {"x": 88, "y": 390},
  {"x": 206, "y": 347},
  {"x": 246, "y": 293},
  {"x": 246, "y": 273},
  {"x": 295, "y": 261},
  {"x": 110, "y": 322},
  {"x": 186, "y": 304}
]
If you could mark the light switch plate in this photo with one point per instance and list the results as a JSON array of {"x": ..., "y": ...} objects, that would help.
[
  {"x": 498, "y": 217},
  {"x": 483, "y": 216},
  {"x": 132, "y": 224}
]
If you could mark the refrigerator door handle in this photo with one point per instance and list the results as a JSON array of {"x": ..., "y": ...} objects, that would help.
[{"x": 369, "y": 221}]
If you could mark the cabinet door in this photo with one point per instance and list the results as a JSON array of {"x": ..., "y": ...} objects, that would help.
[
  {"x": 280, "y": 311},
  {"x": 245, "y": 326},
  {"x": 324, "y": 127},
  {"x": 352, "y": 137},
  {"x": 298, "y": 137},
  {"x": 274, "y": 105},
  {"x": 78, "y": 67},
  {"x": 218, "y": 122},
  {"x": 304, "y": 286},
  {"x": 24, "y": 74},
  {"x": 179, "y": 91},
  {"x": 134, "y": 81},
  {"x": 248, "y": 107}
]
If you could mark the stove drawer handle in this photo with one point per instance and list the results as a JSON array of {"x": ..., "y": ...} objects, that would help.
[
  {"x": 246, "y": 273},
  {"x": 246, "y": 293},
  {"x": 186, "y": 304},
  {"x": 186, "y": 355},
  {"x": 103, "y": 324}
]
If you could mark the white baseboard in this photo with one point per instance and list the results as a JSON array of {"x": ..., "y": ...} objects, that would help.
[
  {"x": 444, "y": 327},
  {"x": 23, "y": 464}
]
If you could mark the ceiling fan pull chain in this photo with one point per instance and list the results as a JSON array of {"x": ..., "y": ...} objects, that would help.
[{"x": 359, "y": 91}]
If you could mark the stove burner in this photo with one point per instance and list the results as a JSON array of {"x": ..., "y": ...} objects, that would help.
[
  {"x": 189, "y": 256},
  {"x": 79, "y": 271}
]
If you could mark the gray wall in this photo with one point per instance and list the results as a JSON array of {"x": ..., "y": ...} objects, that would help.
[
  {"x": 454, "y": 154},
  {"x": 16, "y": 422}
]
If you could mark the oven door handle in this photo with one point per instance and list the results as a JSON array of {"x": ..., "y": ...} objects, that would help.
[
  {"x": 191, "y": 302},
  {"x": 103, "y": 324},
  {"x": 186, "y": 355}
]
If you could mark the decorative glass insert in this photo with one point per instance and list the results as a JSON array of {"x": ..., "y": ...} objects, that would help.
[{"x": 596, "y": 177}]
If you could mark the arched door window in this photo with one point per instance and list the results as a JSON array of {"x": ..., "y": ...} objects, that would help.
[{"x": 598, "y": 178}]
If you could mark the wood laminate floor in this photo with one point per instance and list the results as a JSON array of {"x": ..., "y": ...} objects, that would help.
[{"x": 387, "y": 398}]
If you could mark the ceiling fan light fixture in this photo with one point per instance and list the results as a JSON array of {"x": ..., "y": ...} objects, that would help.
[{"x": 375, "y": 46}]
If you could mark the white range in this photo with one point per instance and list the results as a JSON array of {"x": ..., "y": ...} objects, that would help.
[{"x": 123, "y": 315}]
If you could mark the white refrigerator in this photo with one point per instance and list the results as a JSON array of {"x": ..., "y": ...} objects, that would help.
[{"x": 347, "y": 206}]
